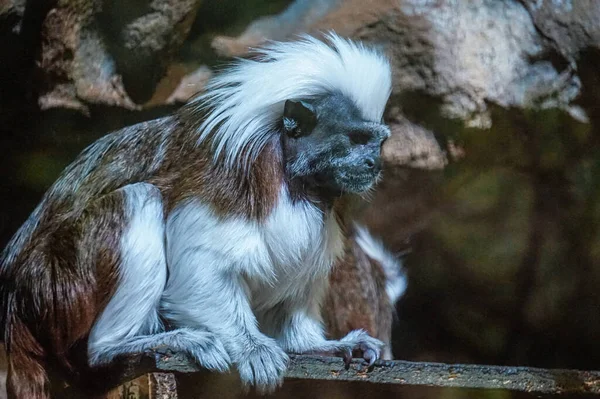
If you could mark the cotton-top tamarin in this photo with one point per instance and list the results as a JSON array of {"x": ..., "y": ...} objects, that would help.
[{"x": 211, "y": 231}]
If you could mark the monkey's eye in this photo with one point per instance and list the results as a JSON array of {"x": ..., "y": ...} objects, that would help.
[
  {"x": 359, "y": 137},
  {"x": 291, "y": 127},
  {"x": 299, "y": 118}
]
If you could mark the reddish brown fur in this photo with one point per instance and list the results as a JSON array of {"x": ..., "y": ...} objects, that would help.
[
  {"x": 28, "y": 378},
  {"x": 357, "y": 298},
  {"x": 228, "y": 193},
  {"x": 62, "y": 285}
]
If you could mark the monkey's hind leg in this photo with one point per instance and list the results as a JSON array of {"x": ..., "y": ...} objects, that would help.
[{"x": 130, "y": 322}]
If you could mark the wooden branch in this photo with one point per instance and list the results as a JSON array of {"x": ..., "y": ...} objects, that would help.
[{"x": 525, "y": 379}]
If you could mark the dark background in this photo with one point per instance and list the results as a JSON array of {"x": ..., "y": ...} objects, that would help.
[{"x": 504, "y": 261}]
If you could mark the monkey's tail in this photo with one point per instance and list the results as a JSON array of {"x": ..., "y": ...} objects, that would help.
[
  {"x": 393, "y": 268},
  {"x": 27, "y": 377}
]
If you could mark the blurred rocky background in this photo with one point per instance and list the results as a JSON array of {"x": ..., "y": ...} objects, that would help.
[{"x": 492, "y": 180}]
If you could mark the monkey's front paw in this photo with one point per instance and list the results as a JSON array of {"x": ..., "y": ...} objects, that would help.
[
  {"x": 204, "y": 347},
  {"x": 359, "y": 343},
  {"x": 210, "y": 354},
  {"x": 263, "y": 367}
]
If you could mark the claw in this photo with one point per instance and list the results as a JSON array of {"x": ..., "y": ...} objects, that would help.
[
  {"x": 370, "y": 356},
  {"x": 347, "y": 355}
]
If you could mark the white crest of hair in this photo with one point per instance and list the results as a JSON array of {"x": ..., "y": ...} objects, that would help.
[
  {"x": 245, "y": 102},
  {"x": 392, "y": 267}
]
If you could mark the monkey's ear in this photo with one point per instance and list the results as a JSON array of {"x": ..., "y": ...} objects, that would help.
[{"x": 299, "y": 118}]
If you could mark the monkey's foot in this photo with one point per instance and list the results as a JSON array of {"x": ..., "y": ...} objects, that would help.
[
  {"x": 360, "y": 344},
  {"x": 210, "y": 353},
  {"x": 205, "y": 348},
  {"x": 263, "y": 367}
]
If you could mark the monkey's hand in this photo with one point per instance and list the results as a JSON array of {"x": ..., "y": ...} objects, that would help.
[
  {"x": 356, "y": 343},
  {"x": 263, "y": 366},
  {"x": 204, "y": 347},
  {"x": 359, "y": 343}
]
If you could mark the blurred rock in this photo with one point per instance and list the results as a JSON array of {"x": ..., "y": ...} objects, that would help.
[
  {"x": 297, "y": 17},
  {"x": 465, "y": 54},
  {"x": 412, "y": 146},
  {"x": 11, "y": 15},
  {"x": 190, "y": 85},
  {"x": 76, "y": 68},
  {"x": 81, "y": 53},
  {"x": 569, "y": 25},
  {"x": 146, "y": 37}
]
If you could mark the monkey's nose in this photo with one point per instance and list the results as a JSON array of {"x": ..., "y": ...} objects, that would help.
[{"x": 373, "y": 163}]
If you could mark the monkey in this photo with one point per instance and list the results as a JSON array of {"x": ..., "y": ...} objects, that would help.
[
  {"x": 365, "y": 285},
  {"x": 210, "y": 231}
]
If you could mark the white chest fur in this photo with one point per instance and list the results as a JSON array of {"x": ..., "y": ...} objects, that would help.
[
  {"x": 279, "y": 257},
  {"x": 303, "y": 242}
]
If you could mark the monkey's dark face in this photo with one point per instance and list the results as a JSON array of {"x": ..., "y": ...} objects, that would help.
[{"x": 330, "y": 146}]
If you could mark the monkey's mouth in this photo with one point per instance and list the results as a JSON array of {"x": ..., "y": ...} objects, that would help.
[
  {"x": 339, "y": 182},
  {"x": 358, "y": 182}
]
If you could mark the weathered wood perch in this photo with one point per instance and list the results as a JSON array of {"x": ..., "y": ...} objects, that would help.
[{"x": 524, "y": 379}]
